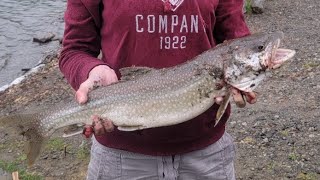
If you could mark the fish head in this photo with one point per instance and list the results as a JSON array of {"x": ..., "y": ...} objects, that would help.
[{"x": 251, "y": 57}]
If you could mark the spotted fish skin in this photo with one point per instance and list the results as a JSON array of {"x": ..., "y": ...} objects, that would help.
[
  {"x": 159, "y": 97},
  {"x": 148, "y": 98}
]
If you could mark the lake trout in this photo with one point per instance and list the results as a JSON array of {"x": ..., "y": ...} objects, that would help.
[{"x": 149, "y": 98}]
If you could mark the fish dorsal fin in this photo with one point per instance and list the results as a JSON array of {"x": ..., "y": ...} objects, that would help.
[
  {"x": 223, "y": 107},
  {"x": 129, "y": 73}
]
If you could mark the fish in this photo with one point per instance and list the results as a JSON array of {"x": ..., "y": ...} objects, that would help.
[{"x": 149, "y": 98}]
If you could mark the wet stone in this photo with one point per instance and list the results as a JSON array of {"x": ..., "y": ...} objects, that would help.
[{"x": 44, "y": 38}]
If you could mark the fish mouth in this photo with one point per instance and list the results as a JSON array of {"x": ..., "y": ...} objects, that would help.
[{"x": 278, "y": 56}]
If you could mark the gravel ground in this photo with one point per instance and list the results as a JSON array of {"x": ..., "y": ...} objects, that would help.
[{"x": 277, "y": 138}]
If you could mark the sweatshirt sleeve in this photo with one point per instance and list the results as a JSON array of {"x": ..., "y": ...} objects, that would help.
[
  {"x": 230, "y": 22},
  {"x": 81, "y": 42}
]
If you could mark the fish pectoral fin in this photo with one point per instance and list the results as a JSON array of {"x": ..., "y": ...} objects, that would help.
[
  {"x": 223, "y": 107},
  {"x": 130, "y": 128},
  {"x": 129, "y": 73}
]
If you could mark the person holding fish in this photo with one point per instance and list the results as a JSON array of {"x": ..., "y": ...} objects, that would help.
[{"x": 154, "y": 34}]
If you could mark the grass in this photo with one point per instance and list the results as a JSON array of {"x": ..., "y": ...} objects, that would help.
[
  {"x": 22, "y": 158},
  {"x": 55, "y": 144},
  {"x": 310, "y": 65},
  {"x": 293, "y": 156},
  {"x": 2, "y": 146},
  {"x": 58, "y": 144},
  {"x": 248, "y": 7},
  {"x": 272, "y": 166},
  {"x": 307, "y": 176},
  {"x": 83, "y": 153},
  {"x": 16, "y": 166},
  {"x": 284, "y": 133}
]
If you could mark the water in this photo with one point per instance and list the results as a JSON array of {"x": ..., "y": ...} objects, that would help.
[{"x": 20, "y": 21}]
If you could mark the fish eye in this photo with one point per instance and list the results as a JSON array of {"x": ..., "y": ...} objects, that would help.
[{"x": 261, "y": 47}]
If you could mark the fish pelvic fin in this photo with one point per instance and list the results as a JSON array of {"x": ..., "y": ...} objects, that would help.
[
  {"x": 27, "y": 125},
  {"x": 222, "y": 108}
]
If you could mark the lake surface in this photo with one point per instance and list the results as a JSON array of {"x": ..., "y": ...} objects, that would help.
[{"x": 20, "y": 21}]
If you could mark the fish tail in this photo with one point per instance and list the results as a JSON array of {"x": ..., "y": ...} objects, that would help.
[{"x": 27, "y": 125}]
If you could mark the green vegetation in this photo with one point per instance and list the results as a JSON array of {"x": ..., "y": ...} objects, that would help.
[
  {"x": 2, "y": 146},
  {"x": 310, "y": 65},
  {"x": 17, "y": 166},
  {"x": 293, "y": 156},
  {"x": 284, "y": 133},
  {"x": 307, "y": 176},
  {"x": 83, "y": 153},
  {"x": 22, "y": 158},
  {"x": 272, "y": 166},
  {"x": 248, "y": 7},
  {"x": 55, "y": 144}
]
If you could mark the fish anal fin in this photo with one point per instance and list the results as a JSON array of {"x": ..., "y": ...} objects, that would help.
[
  {"x": 222, "y": 108},
  {"x": 73, "y": 130},
  {"x": 129, "y": 73},
  {"x": 130, "y": 128},
  {"x": 69, "y": 134}
]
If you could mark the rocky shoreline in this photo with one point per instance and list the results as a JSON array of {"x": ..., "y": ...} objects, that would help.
[{"x": 277, "y": 138}]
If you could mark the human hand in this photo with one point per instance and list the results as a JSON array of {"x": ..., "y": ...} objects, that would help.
[
  {"x": 99, "y": 76},
  {"x": 99, "y": 127},
  {"x": 239, "y": 97}
]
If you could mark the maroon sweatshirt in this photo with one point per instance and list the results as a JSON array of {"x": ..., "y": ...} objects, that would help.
[{"x": 153, "y": 33}]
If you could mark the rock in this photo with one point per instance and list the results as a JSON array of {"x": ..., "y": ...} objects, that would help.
[
  {"x": 54, "y": 156},
  {"x": 45, "y": 157},
  {"x": 257, "y": 6},
  {"x": 265, "y": 140},
  {"x": 25, "y": 69},
  {"x": 311, "y": 136},
  {"x": 58, "y": 39},
  {"x": 44, "y": 38}
]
